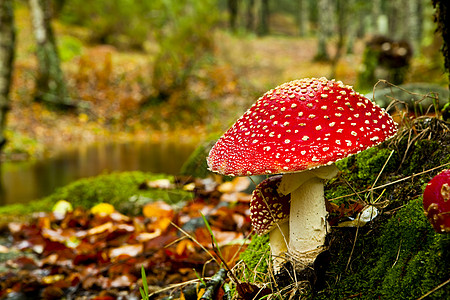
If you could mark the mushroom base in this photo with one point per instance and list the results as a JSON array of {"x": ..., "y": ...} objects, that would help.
[
  {"x": 279, "y": 240},
  {"x": 307, "y": 222}
]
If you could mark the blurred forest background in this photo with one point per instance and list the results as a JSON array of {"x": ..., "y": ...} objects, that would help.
[{"x": 119, "y": 70}]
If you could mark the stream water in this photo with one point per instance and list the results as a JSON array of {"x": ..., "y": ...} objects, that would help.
[{"x": 22, "y": 182}]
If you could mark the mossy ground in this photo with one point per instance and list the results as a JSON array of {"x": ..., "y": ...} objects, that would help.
[
  {"x": 125, "y": 191},
  {"x": 397, "y": 255}
]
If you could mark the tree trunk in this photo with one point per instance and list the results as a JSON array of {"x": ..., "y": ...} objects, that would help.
[
  {"x": 442, "y": 19},
  {"x": 233, "y": 12},
  {"x": 7, "y": 45},
  {"x": 342, "y": 10},
  {"x": 324, "y": 22},
  {"x": 375, "y": 13},
  {"x": 50, "y": 84},
  {"x": 302, "y": 18},
  {"x": 265, "y": 18},
  {"x": 250, "y": 26},
  {"x": 414, "y": 26}
]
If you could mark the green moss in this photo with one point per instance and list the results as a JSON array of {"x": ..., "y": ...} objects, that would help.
[
  {"x": 122, "y": 190},
  {"x": 255, "y": 259},
  {"x": 397, "y": 258}
]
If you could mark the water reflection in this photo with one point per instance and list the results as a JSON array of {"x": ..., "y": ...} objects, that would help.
[{"x": 24, "y": 181}]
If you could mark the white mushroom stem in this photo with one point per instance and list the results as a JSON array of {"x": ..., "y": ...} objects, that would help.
[
  {"x": 307, "y": 220},
  {"x": 279, "y": 241}
]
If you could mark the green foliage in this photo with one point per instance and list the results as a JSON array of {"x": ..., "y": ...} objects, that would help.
[
  {"x": 122, "y": 22},
  {"x": 185, "y": 37},
  {"x": 22, "y": 145},
  {"x": 69, "y": 47},
  {"x": 144, "y": 289}
]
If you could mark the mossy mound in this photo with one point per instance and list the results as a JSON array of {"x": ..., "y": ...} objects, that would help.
[
  {"x": 196, "y": 165},
  {"x": 397, "y": 255},
  {"x": 126, "y": 191}
]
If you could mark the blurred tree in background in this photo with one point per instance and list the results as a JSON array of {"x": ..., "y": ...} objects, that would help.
[
  {"x": 7, "y": 45},
  {"x": 50, "y": 83}
]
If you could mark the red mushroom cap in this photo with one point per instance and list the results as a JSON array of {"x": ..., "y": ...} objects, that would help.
[
  {"x": 267, "y": 206},
  {"x": 436, "y": 201},
  {"x": 300, "y": 125}
]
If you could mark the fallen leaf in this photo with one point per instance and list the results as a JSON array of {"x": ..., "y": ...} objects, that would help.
[
  {"x": 238, "y": 184},
  {"x": 157, "y": 209},
  {"x": 128, "y": 250},
  {"x": 101, "y": 228},
  {"x": 102, "y": 209}
]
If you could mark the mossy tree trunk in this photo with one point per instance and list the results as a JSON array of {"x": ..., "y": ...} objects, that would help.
[
  {"x": 50, "y": 84},
  {"x": 7, "y": 45},
  {"x": 442, "y": 19}
]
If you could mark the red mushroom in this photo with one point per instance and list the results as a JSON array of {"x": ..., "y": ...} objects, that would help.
[
  {"x": 269, "y": 213},
  {"x": 436, "y": 202},
  {"x": 301, "y": 128}
]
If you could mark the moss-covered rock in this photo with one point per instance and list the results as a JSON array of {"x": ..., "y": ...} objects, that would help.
[
  {"x": 126, "y": 191},
  {"x": 196, "y": 165},
  {"x": 397, "y": 255}
]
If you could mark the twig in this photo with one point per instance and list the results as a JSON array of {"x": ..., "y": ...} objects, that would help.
[
  {"x": 173, "y": 286},
  {"x": 353, "y": 247},
  {"x": 213, "y": 284},
  {"x": 390, "y": 183},
  {"x": 379, "y": 174},
  {"x": 435, "y": 289},
  {"x": 398, "y": 254}
]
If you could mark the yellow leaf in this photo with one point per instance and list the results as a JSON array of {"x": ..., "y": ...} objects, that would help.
[
  {"x": 102, "y": 208},
  {"x": 62, "y": 207},
  {"x": 157, "y": 209}
]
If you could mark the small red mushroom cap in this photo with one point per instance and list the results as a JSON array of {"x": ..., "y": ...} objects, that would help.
[
  {"x": 436, "y": 202},
  {"x": 300, "y": 125},
  {"x": 268, "y": 207}
]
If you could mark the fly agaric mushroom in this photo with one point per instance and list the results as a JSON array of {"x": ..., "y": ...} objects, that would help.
[
  {"x": 436, "y": 202},
  {"x": 301, "y": 128},
  {"x": 269, "y": 213}
]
